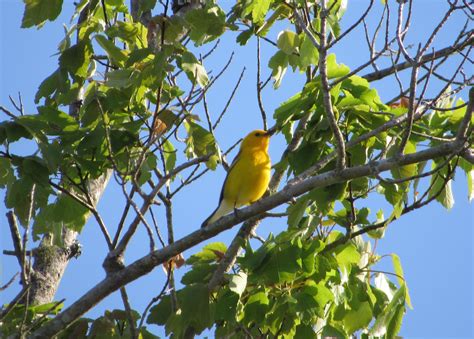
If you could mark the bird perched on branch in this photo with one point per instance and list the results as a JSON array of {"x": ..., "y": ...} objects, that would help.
[{"x": 248, "y": 177}]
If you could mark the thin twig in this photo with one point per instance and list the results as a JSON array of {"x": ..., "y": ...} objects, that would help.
[
  {"x": 259, "y": 88},
  {"x": 12, "y": 279},
  {"x": 327, "y": 101}
]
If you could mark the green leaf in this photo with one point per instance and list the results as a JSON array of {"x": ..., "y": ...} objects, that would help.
[
  {"x": 252, "y": 261},
  {"x": 170, "y": 155},
  {"x": 308, "y": 255},
  {"x": 116, "y": 55},
  {"x": 121, "y": 139},
  {"x": 389, "y": 321},
  {"x": 206, "y": 24},
  {"x": 347, "y": 255},
  {"x": 146, "y": 5},
  {"x": 13, "y": 131},
  {"x": 397, "y": 266},
  {"x": 36, "y": 169},
  {"x": 393, "y": 193},
  {"x": 58, "y": 121},
  {"x": 194, "y": 303},
  {"x": 148, "y": 166},
  {"x": 296, "y": 211},
  {"x": 200, "y": 273},
  {"x": 160, "y": 313},
  {"x": 194, "y": 69},
  {"x": 470, "y": 184},
  {"x": 78, "y": 329},
  {"x": 288, "y": 42},
  {"x": 324, "y": 294},
  {"x": 65, "y": 211},
  {"x": 56, "y": 82},
  {"x": 278, "y": 63},
  {"x": 380, "y": 232},
  {"x": 359, "y": 318},
  {"x": 441, "y": 188},
  {"x": 335, "y": 70},
  {"x": 18, "y": 197},
  {"x": 282, "y": 264},
  {"x": 407, "y": 170},
  {"x": 200, "y": 142},
  {"x": 52, "y": 155},
  {"x": 304, "y": 331},
  {"x": 76, "y": 59},
  {"x": 226, "y": 305},
  {"x": 256, "y": 308},
  {"x": 326, "y": 196},
  {"x": 120, "y": 78},
  {"x": 38, "y": 11},
  {"x": 6, "y": 172},
  {"x": 211, "y": 252},
  {"x": 128, "y": 32},
  {"x": 259, "y": 9},
  {"x": 244, "y": 37},
  {"x": 306, "y": 300},
  {"x": 308, "y": 53},
  {"x": 288, "y": 108}
]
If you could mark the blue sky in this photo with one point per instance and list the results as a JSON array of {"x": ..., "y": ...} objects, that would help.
[{"x": 435, "y": 245}]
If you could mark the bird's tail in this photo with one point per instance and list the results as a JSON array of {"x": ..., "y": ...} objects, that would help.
[{"x": 224, "y": 208}]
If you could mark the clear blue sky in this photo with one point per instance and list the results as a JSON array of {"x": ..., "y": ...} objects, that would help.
[{"x": 435, "y": 245}]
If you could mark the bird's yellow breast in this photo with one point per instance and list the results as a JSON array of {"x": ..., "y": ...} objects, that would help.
[{"x": 248, "y": 178}]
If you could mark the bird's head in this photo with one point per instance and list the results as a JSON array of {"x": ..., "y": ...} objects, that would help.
[{"x": 257, "y": 139}]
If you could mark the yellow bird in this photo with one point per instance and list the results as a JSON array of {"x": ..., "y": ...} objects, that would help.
[{"x": 248, "y": 176}]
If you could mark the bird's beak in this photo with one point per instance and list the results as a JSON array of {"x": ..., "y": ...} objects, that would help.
[{"x": 270, "y": 132}]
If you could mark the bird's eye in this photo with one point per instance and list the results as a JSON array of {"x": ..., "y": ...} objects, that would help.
[{"x": 257, "y": 134}]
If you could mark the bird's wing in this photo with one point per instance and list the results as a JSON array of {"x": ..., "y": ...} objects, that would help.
[
  {"x": 227, "y": 176},
  {"x": 222, "y": 207}
]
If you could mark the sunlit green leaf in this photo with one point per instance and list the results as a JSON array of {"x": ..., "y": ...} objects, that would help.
[
  {"x": 278, "y": 63},
  {"x": 193, "y": 69},
  {"x": 206, "y": 24},
  {"x": 359, "y": 318},
  {"x": 288, "y": 42},
  {"x": 441, "y": 187},
  {"x": 309, "y": 55},
  {"x": 117, "y": 55},
  {"x": 38, "y": 11},
  {"x": 397, "y": 266},
  {"x": 335, "y": 70}
]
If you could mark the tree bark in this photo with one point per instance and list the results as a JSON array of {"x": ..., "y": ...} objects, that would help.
[{"x": 50, "y": 261}]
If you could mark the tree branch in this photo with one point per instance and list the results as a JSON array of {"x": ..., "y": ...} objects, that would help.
[
  {"x": 327, "y": 101},
  {"x": 427, "y": 58}
]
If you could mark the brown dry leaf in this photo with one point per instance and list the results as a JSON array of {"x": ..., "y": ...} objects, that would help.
[
  {"x": 159, "y": 127},
  {"x": 404, "y": 102},
  {"x": 177, "y": 261}
]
